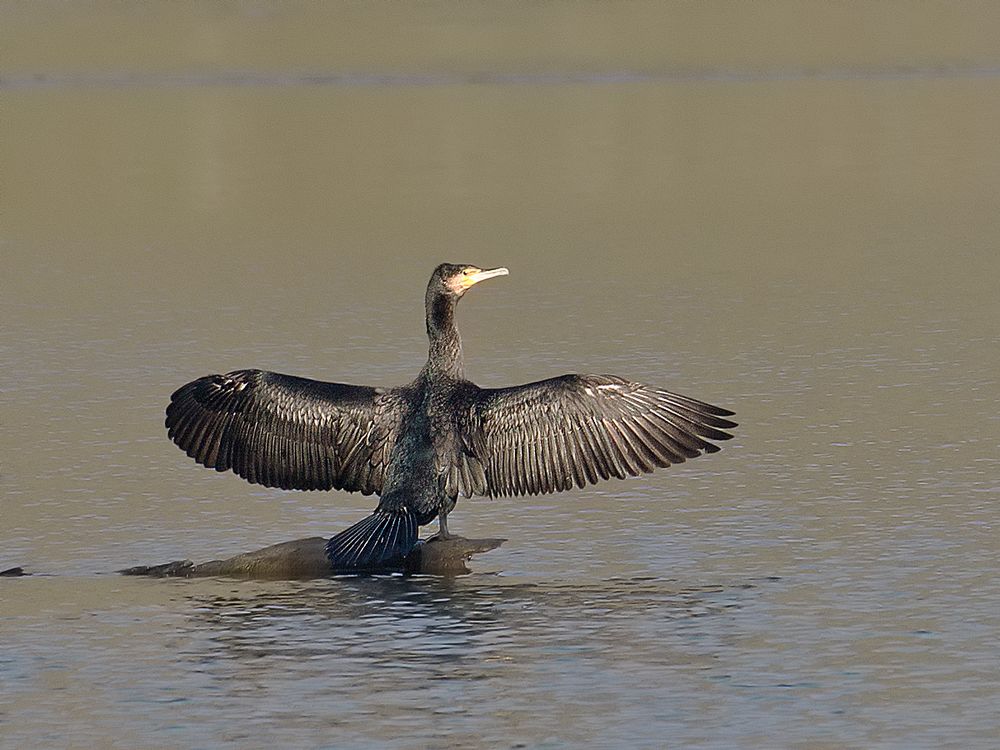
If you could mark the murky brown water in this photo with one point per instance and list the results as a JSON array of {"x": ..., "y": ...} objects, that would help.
[{"x": 790, "y": 213}]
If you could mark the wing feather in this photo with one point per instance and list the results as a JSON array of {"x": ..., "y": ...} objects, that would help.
[
  {"x": 288, "y": 432},
  {"x": 578, "y": 429}
]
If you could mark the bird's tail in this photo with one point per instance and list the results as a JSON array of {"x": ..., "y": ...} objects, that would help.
[{"x": 380, "y": 541}]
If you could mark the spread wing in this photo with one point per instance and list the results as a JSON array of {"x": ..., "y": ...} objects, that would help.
[
  {"x": 288, "y": 432},
  {"x": 577, "y": 429}
]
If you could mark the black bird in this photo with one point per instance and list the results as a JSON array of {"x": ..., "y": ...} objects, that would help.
[{"x": 420, "y": 445}]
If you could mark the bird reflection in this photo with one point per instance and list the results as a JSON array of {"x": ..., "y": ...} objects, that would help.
[{"x": 432, "y": 626}]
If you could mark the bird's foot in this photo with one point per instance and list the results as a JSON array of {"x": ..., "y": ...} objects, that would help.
[{"x": 442, "y": 534}]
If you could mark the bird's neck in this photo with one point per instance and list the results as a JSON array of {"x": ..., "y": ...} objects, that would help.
[{"x": 444, "y": 356}]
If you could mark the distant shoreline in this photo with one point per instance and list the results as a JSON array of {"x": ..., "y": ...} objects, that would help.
[{"x": 361, "y": 79}]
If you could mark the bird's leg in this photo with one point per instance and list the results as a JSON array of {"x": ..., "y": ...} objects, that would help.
[{"x": 443, "y": 525}]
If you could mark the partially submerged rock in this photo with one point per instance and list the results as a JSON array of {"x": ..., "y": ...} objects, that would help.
[{"x": 306, "y": 558}]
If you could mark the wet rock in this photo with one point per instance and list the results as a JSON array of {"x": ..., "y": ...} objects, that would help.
[
  {"x": 306, "y": 558},
  {"x": 177, "y": 568},
  {"x": 447, "y": 556}
]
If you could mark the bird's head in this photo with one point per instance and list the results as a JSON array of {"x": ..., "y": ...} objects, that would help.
[{"x": 454, "y": 279}]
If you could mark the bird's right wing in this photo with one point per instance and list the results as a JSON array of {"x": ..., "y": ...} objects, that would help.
[
  {"x": 578, "y": 429},
  {"x": 288, "y": 432}
]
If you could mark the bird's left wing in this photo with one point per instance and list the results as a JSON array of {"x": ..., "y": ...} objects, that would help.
[
  {"x": 288, "y": 432},
  {"x": 578, "y": 429}
]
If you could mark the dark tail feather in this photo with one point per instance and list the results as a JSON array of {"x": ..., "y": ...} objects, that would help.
[{"x": 378, "y": 542}]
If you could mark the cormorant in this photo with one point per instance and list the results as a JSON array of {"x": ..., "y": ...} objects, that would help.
[{"x": 420, "y": 445}]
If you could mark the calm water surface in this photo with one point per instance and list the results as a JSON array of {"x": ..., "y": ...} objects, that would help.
[{"x": 810, "y": 241}]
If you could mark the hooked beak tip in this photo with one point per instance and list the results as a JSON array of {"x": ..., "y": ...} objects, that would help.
[{"x": 487, "y": 274}]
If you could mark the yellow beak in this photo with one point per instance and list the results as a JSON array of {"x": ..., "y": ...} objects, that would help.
[{"x": 480, "y": 275}]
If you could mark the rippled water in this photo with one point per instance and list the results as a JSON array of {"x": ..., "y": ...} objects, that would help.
[
  {"x": 385, "y": 662},
  {"x": 816, "y": 251}
]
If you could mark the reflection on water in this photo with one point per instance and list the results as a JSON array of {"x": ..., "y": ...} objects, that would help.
[
  {"x": 393, "y": 661},
  {"x": 382, "y": 661},
  {"x": 424, "y": 622}
]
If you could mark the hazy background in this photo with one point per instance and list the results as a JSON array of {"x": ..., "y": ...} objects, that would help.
[{"x": 787, "y": 208}]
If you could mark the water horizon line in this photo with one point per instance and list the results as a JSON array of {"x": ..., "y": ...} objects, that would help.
[{"x": 362, "y": 79}]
